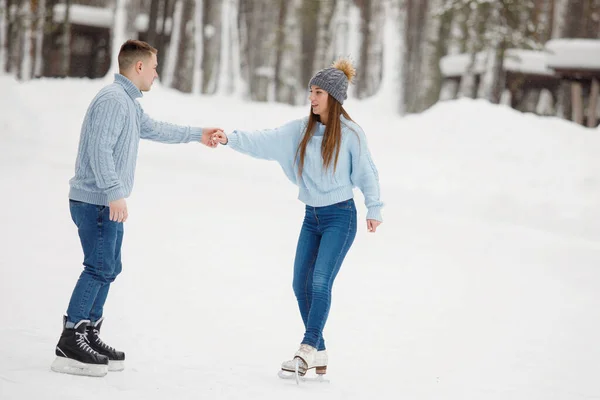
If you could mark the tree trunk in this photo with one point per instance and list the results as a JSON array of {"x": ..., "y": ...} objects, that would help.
[
  {"x": 430, "y": 75},
  {"x": 39, "y": 39},
  {"x": 577, "y": 101},
  {"x": 225, "y": 85},
  {"x": 172, "y": 52},
  {"x": 212, "y": 44},
  {"x": 544, "y": 23},
  {"x": 261, "y": 26},
  {"x": 3, "y": 35},
  {"x": 369, "y": 72},
  {"x": 561, "y": 12},
  {"x": 416, "y": 19},
  {"x": 66, "y": 41},
  {"x": 340, "y": 28},
  {"x": 491, "y": 76},
  {"x": 26, "y": 16},
  {"x": 153, "y": 17},
  {"x": 198, "y": 47},
  {"x": 118, "y": 34},
  {"x": 289, "y": 88},
  {"x": 184, "y": 72},
  {"x": 391, "y": 92},
  {"x": 322, "y": 57},
  {"x": 592, "y": 117},
  {"x": 468, "y": 87},
  {"x": 239, "y": 85}
]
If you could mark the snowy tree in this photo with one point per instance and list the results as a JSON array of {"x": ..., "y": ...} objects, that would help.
[{"x": 390, "y": 95}]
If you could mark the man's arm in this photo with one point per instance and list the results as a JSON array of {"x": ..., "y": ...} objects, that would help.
[{"x": 165, "y": 132}]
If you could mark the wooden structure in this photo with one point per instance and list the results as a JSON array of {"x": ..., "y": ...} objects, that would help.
[{"x": 577, "y": 62}]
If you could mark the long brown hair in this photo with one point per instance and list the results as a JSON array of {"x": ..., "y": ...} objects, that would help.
[{"x": 332, "y": 138}]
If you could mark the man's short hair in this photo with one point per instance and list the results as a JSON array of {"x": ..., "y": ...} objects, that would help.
[{"x": 133, "y": 51}]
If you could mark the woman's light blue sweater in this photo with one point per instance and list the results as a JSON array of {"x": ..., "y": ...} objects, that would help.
[{"x": 318, "y": 188}]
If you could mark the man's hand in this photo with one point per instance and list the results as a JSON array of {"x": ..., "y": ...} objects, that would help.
[
  {"x": 207, "y": 134},
  {"x": 372, "y": 225},
  {"x": 118, "y": 210},
  {"x": 219, "y": 137}
]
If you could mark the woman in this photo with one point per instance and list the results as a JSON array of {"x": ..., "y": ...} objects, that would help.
[{"x": 326, "y": 156}]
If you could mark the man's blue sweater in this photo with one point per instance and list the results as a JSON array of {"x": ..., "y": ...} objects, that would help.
[{"x": 108, "y": 145}]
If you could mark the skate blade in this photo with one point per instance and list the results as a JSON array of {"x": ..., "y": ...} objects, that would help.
[
  {"x": 288, "y": 375},
  {"x": 116, "y": 365},
  {"x": 73, "y": 367}
]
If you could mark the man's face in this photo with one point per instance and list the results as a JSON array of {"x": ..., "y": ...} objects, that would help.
[{"x": 148, "y": 73}]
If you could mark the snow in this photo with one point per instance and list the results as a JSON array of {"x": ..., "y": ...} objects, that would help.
[
  {"x": 574, "y": 53},
  {"x": 482, "y": 283}
]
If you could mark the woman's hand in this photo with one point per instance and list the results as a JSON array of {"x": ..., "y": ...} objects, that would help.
[
  {"x": 219, "y": 137},
  {"x": 372, "y": 225}
]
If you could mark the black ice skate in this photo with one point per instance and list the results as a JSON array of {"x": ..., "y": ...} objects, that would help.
[
  {"x": 74, "y": 354},
  {"x": 116, "y": 359}
]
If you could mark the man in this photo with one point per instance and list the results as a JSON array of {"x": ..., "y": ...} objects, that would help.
[{"x": 104, "y": 172}]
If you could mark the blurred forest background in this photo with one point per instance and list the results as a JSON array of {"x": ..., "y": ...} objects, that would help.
[{"x": 540, "y": 56}]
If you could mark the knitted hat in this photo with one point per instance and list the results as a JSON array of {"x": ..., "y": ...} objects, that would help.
[{"x": 335, "y": 79}]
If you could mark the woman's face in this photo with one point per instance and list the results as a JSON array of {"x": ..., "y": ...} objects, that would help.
[{"x": 319, "y": 100}]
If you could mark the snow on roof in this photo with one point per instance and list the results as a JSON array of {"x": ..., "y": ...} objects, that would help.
[
  {"x": 517, "y": 60},
  {"x": 527, "y": 61},
  {"x": 573, "y": 53},
  {"x": 85, "y": 15},
  {"x": 457, "y": 64},
  {"x": 100, "y": 17}
]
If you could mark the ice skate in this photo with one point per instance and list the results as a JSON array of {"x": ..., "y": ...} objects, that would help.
[
  {"x": 74, "y": 354},
  {"x": 298, "y": 366},
  {"x": 116, "y": 359}
]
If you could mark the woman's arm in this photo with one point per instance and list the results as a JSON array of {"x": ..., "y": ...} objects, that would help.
[
  {"x": 271, "y": 144},
  {"x": 364, "y": 175}
]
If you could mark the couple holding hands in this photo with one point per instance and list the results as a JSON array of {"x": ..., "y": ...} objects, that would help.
[{"x": 325, "y": 155}]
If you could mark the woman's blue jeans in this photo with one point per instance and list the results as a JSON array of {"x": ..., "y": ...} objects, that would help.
[
  {"x": 101, "y": 241},
  {"x": 326, "y": 236}
]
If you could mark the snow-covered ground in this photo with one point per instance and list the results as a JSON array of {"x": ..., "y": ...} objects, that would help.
[{"x": 481, "y": 284}]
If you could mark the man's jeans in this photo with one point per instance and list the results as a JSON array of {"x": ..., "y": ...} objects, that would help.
[
  {"x": 101, "y": 241},
  {"x": 325, "y": 238}
]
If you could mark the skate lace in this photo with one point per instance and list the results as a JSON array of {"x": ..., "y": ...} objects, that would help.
[
  {"x": 100, "y": 343},
  {"x": 82, "y": 342}
]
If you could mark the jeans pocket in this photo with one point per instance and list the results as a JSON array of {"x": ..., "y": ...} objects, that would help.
[{"x": 345, "y": 205}]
